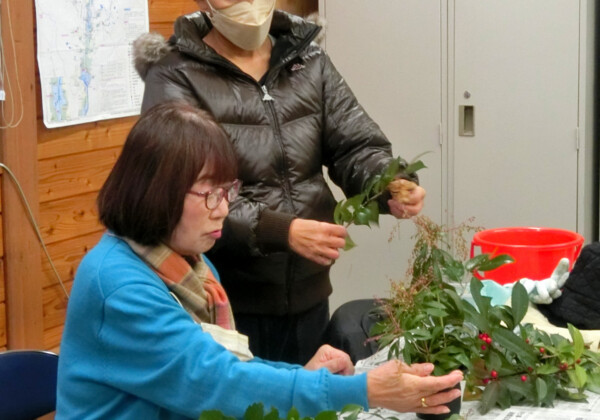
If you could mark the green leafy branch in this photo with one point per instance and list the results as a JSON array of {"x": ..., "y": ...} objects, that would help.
[
  {"x": 256, "y": 411},
  {"x": 520, "y": 364},
  {"x": 363, "y": 208}
]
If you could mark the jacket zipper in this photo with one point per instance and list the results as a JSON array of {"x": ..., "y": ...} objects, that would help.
[
  {"x": 268, "y": 100},
  {"x": 287, "y": 187}
]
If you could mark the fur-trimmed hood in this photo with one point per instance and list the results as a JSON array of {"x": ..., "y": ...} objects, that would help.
[
  {"x": 148, "y": 49},
  {"x": 151, "y": 47}
]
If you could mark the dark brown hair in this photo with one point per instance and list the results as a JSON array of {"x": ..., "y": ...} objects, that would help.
[{"x": 165, "y": 151}]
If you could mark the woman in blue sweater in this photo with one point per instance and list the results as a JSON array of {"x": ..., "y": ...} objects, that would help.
[{"x": 149, "y": 332}]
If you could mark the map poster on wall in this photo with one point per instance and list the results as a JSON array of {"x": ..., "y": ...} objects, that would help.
[{"x": 85, "y": 59}]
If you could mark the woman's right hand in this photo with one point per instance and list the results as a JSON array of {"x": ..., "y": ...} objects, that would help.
[
  {"x": 403, "y": 388},
  {"x": 317, "y": 241}
]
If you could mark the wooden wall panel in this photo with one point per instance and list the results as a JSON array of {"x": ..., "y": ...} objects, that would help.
[
  {"x": 52, "y": 338},
  {"x": 2, "y": 307},
  {"x": 2, "y": 326},
  {"x": 2, "y": 289},
  {"x": 1, "y": 242},
  {"x": 66, "y": 256},
  {"x": 165, "y": 29},
  {"x": 83, "y": 138},
  {"x": 300, "y": 8},
  {"x": 68, "y": 176},
  {"x": 168, "y": 11},
  {"x": 55, "y": 308},
  {"x": 69, "y": 218}
]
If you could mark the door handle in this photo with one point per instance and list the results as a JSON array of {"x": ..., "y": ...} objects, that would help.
[{"x": 466, "y": 120}]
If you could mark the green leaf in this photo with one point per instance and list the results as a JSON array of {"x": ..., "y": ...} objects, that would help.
[
  {"x": 571, "y": 396},
  {"x": 392, "y": 169},
  {"x": 474, "y": 317},
  {"x": 367, "y": 214},
  {"x": 254, "y": 412},
  {"x": 419, "y": 333},
  {"x": 414, "y": 167},
  {"x": 363, "y": 216},
  {"x": 476, "y": 261},
  {"x": 293, "y": 414},
  {"x": 502, "y": 314},
  {"x": 338, "y": 218},
  {"x": 351, "y": 408},
  {"x": 578, "y": 344},
  {"x": 522, "y": 390},
  {"x": 326, "y": 415},
  {"x": 349, "y": 243},
  {"x": 213, "y": 415},
  {"x": 272, "y": 415},
  {"x": 504, "y": 399},
  {"x": 493, "y": 263},
  {"x": 541, "y": 389},
  {"x": 551, "y": 388},
  {"x": 371, "y": 185},
  {"x": 351, "y": 412},
  {"x": 546, "y": 369},
  {"x": 483, "y": 303},
  {"x": 593, "y": 382},
  {"x": 515, "y": 344},
  {"x": 437, "y": 313},
  {"x": 519, "y": 303},
  {"x": 489, "y": 398},
  {"x": 578, "y": 377}
]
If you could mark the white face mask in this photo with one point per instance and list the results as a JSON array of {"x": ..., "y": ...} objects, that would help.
[{"x": 244, "y": 24}]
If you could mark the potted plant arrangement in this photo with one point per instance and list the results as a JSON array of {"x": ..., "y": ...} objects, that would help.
[
  {"x": 438, "y": 315},
  {"x": 430, "y": 319}
]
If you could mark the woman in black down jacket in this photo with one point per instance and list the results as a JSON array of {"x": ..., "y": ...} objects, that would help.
[{"x": 288, "y": 113}]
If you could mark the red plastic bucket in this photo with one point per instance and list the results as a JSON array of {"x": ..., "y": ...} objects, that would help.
[{"x": 536, "y": 251}]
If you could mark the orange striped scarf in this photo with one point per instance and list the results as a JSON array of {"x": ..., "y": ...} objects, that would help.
[{"x": 195, "y": 287}]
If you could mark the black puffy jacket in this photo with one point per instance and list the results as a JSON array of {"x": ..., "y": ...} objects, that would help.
[{"x": 300, "y": 117}]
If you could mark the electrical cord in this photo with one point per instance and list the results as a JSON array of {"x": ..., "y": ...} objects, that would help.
[
  {"x": 34, "y": 224},
  {"x": 9, "y": 91}
]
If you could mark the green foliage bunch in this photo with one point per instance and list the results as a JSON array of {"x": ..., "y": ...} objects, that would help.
[
  {"x": 428, "y": 312},
  {"x": 363, "y": 208},
  {"x": 256, "y": 411},
  {"x": 505, "y": 362},
  {"x": 519, "y": 364}
]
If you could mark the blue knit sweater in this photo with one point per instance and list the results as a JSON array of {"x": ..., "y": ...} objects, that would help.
[{"x": 129, "y": 351}]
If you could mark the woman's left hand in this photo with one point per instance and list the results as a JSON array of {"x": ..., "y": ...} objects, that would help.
[
  {"x": 411, "y": 205},
  {"x": 335, "y": 360}
]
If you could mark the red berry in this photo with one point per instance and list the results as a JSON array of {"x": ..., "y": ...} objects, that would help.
[
  {"x": 483, "y": 347},
  {"x": 486, "y": 381},
  {"x": 494, "y": 374},
  {"x": 488, "y": 340},
  {"x": 527, "y": 340},
  {"x": 578, "y": 361},
  {"x": 542, "y": 350},
  {"x": 523, "y": 378}
]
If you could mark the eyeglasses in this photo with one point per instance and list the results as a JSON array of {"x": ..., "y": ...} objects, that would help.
[{"x": 214, "y": 197}]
